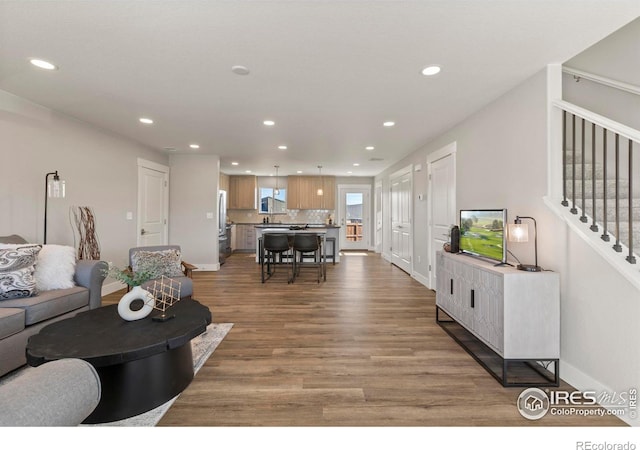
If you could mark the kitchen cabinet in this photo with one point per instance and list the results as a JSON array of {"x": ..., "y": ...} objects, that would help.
[
  {"x": 302, "y": 192},
  {"x": 245, "y": 237},
  {"x": 233, "y": 240},
  {"x": 242, "y": 191},
  {"x": 224, "y": 182},
  {"x": 516, "y": 314}
]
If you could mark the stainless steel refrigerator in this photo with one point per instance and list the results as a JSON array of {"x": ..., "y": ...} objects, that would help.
[{"x": 223, "y": 240}]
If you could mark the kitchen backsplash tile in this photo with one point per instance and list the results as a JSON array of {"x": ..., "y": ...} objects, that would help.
[{"x": 291, "y": 216}]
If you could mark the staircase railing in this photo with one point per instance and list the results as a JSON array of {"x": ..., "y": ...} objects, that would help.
[{"x": 602, "y": 195}]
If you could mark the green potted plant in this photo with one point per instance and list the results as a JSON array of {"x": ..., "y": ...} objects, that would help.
[
  {"x": 134, "y": 280},
  {"x": 128, "y": 276}
]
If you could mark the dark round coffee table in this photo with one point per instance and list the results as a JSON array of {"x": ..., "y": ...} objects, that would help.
[{"x": 141, "y": 364}]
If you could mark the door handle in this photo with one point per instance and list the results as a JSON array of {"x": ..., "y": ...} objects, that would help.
[{"x": 143, "y": 232}]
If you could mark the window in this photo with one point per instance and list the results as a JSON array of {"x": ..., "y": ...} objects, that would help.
[{"x": 271, "y": 203}]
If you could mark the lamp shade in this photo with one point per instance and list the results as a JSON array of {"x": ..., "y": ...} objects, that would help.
[
  {"x": 320, "y": 191},
  {"x": 56, "y": 187},
  {"x": 518, "y": 232}
]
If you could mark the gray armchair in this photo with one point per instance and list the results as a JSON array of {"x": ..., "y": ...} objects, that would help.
[{"x": 177, "y": 270}]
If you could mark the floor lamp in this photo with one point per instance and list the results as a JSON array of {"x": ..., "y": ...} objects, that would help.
[{"x": 54, "y": 188}]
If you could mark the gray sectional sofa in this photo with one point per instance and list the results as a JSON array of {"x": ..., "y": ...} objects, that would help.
[
  {"x": 59, "y": 393},
  {"x": 23, "y": 317}
]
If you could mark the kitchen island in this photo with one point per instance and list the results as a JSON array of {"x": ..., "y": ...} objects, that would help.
[{"x": 331, "y": 231}]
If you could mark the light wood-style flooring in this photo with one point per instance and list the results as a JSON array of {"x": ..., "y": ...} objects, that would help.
[{"x": 361, "y": 349}]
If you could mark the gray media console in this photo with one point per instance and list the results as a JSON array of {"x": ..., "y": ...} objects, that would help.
[{"x": 507, "y": 319}]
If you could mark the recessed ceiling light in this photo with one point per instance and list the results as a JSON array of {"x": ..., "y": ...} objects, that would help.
[
  {"x": 41, "y": 63},
  {"x": 170, "y": 149},
  {"x": 247, "y": 171},
  {"x": 240, "y": 70},
  {"x": 431, "y": 70},
  {"x": 298, "y": 171},
  {"x": 282, "y": 147},
  {"x": 349, "y": 172},
  {"x": 146, "y": 120},
  {"x": 389, "y": 123},
  {"x": 371, "y": 147},
  {"x": 235, "y": 163},
  {"x": 269, "y": 123},
  {"x": 194, "y": 146},
  {"x": 356, "y": 164}
]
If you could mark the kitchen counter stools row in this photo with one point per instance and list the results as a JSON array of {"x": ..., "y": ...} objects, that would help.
[{"x": 295, "y": 249}]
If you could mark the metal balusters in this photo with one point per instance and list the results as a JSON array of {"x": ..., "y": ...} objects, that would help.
[
  {"x": 569, "y": 157},
  {"x": 564, "y": 159},
  {"x": 594, "y": 225},
  {"x": 630, "y": 258},
  {"x": 617, "y": 247},
  {"x": 605, "y": 234},
  {"x": 583, "y": 217},
  {"x": 573, "y": 209}
]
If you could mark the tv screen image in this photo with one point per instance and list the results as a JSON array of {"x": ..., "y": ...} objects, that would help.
[{"x": 482, "y": 233}]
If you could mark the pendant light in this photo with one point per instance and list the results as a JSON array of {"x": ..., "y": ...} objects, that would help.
[
  {"x": 276, "y": 191},
  {"x": 320, "y": 191}
]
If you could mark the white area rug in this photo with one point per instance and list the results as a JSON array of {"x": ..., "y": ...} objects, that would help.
[{"x": 202, "y": 348}]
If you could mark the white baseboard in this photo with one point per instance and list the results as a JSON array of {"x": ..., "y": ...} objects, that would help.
[
  {"x": 207, "y": 267},
  {"x": 421, "y": 279},
  {"x": 584, "y": 382}
]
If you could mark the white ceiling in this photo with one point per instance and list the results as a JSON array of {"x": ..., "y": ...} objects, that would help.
[{"x": 327, "y": 72}]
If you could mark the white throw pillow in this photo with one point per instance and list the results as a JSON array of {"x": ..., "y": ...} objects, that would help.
[{"x": 55, "y": 267}]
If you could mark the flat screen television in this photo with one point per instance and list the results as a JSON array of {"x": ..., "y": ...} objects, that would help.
[{"x": 482, "y": 233}]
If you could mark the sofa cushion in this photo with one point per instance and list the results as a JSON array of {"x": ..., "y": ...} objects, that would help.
[
  {"x": 17, "y": 267},
  {"x": 49, "y": 304},
  {"x": 161, "y": 262},
  {"x": 11, "y": 321},
  {"x": 55, "y": 267}
]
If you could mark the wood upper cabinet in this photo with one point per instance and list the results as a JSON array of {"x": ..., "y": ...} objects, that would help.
[
  {"x": 242, "y": 191},
  {"x": 329, "y": 189},
  {"x": 224, "y": 182},
  {"x": 293, "y": 192},
  {"x": 302, "y": 192}
]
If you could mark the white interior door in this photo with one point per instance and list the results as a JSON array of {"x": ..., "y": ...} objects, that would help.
[
  {"x": 441, "y": 166},
  {"x": 401, "y": 226},
  {"x": 153, "y": 203},
  {"x": 378, "y": 218},
  {"x": 355, "y": 224}
]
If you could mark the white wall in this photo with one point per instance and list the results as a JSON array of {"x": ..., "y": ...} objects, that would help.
[
  {"x": 616, "y": 57},
  {"x": 193, "y": 192},
  {"x": 100, "y": 170},
  {"x": 502, "y": 163}
]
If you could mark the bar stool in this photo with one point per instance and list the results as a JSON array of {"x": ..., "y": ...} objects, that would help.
[
  {"x": 306, "y": 244},
  {"x": 274, "y": 246},
  {"x": 332, "y": 255}
]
